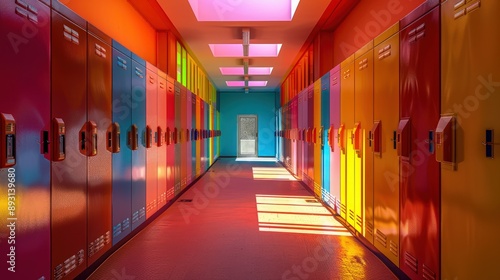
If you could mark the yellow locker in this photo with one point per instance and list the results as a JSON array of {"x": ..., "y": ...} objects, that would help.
[
  {"x": 385, "y": 161},
  {"x": 470, "y": 208},
  {"x": 317, "y": 138},
  {"x": 345, "y": 141}
]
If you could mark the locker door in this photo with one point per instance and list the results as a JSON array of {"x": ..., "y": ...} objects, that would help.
[
  {"x": 182, "y": 133},
  {"x": 177, "y": 128},
  {"x": 317, "y": 160},
  {"x": 294, "y": 133},
  {"x": 299, "y": 136},
  {"x": 334, "y": 200},
  {"x": 99, "y": 176},
  {"x": 26, "y": 98},
  {"x": 305, "y": 124},
  {"x": 170, "y": 138},
  {"x": 325, "y": 124},
  {"x": 202, "y": 141},
  {"x": 69, "y": 175},
  {"x": 386, "y": 162},
  {"x": 198, "y": 139},
  {"x": 310, "y": 144},
  {"x": 345, "y": 140},
  {"x": 151, "y": 140},
  {"x": 363, "y": 160},
  {"x": 193, "y": 142},
  {"x": 189, "y": 148},
  {"x": 162, "y": 143},
  {"x": 122, "y": 161},
  {"x": 210, "y": 139},
  {"x": 207, "y": 144},
  {"x": 138, "y": 130},
  {"x": 470, "y": 87},
  {"x": 420, "y": 172}
]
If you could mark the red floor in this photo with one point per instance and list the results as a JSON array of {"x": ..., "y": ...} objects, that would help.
[{"x": 246, "y": 221}]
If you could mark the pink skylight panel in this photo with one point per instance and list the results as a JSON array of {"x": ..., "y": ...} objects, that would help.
[
  {"x": 235, "y": 83},
  {"x": 257, "y": 83},
  {"x": 244, "y": 10},
  {"x": 251, "y": 70},
  {"x": 254, "y": 50}
]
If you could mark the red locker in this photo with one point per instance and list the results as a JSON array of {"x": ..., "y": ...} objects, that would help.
[
  {"x": 170, "y": 138},
  {"x": 176, "y": 133},
  {"x": 24, "y": 140},
  {"x": 151, "y": 139},
  {"x": 99, "y": 175},
  {"x": 162, "y": 143},
  {"x": 183, "y": 138},
  {"x": 420, "y": 172},
  {"x": 69, "y": 169},
  {"x": 189, "y": 148}
]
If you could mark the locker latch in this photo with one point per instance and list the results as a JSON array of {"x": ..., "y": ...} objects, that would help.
[{"x": 8, "y": 134}]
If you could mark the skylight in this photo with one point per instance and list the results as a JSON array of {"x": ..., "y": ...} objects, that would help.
[
  {"x": 236, "y": 50},
  {"x": 239, "y": 70}
]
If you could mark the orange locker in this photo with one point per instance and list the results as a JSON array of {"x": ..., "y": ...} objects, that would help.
[
  {"x": 385, "y": 161},
  {"x": 363, "y": 160},
  {"x": 317, "y": 136},
  {"x": 470, "y": 179},
  {"x": 161, "y": 139},
  {"x": 345, "y": 141}
]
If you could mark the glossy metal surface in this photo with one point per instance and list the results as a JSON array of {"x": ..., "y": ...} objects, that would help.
[
  {"x": 170, "y": 143},
  {"x": 99, "y": 170},
  {"x": 177, "y": 128},
  {"x": 469, "y": 192},
  {"x": 69, "y": 176},
  {"x": 386, "y": 164},
  {"x": 363, "y": 161},
  {"x": 325, "y": 148},
  {"x": 25, "y": 93},
  {"x": 162, "y": 144},
  {"x": 151, "y": 135},
  {"x": 317, "y": 139},
  {"x": 420, "y": 173},
  {"x": 183, "y": 140},
  {"x": 334, "y": 191}
]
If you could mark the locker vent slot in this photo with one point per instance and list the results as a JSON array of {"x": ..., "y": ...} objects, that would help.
[
  {"x": 384, "y": 52},
  {"x": 369, "y": 228},
  {"x": 135, "y": 217},
  {"x": 100, "y": 51},
  {"x": 163, "y": 197},
  {"x": 65, "y": 268},
  {"x": 381, "y": 238},
  {"x": 170, "y": 192},
  {"x": 363, "y": 64},
  {"x": 142, "y": 212},
  {"x": 461, "y": 11},
  {"x": 343, "y": 208},
  {"x": 427, "y": 273},
  {"x": 393, "y": 247},
  {"x": 347, "y": 74},
  {"x": 117, "y": 229},
  {"x": 411, "y": 262},
  {"x": 99, "y": 243},
  {"x": 351, "y": 215},
  {"x": 139, "y": 73},
  {"x": 359, "y": 221},
  {"x": 335, "y": 81}
]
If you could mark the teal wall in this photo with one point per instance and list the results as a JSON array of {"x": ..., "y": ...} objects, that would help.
[{"x": 260, "y": 104}]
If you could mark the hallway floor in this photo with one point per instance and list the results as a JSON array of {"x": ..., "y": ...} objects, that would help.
[{"x": 244, "y": 220}]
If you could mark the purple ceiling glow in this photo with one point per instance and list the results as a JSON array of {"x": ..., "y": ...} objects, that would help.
[
  {"x": 244, "y": 10},
  {"x": 254, "y": 50},
  {"x": 251, "y": 70}
]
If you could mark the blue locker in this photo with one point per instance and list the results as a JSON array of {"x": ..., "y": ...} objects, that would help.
[
  {"x": 325, "y": 125},
  {"x": 122, "y": 161},
  {"x": 138, "y": 134}
]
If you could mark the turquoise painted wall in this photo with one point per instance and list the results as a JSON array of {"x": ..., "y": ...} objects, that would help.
[{"x": 260, "y": 104}]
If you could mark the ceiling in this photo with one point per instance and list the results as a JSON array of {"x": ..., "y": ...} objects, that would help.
[{"x": 310, "y": 17}]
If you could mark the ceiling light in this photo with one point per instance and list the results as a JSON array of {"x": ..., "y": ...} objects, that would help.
[
  {"x": 254, "y": 50},
  {"x": 240, "y": 70}
]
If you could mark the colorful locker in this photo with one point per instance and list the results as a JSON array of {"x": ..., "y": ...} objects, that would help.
[
  {"x": 385, "y": 160},
  {"x": 333, "y": 134},
  {"x": 182, "y": 137},
  {"x": 362, "y": 135},
  {"x": 202, "y": 134},
  {"x": 103, "y": 139},
  {"x": 207, "y": 144},
  {"x": 194, "y": 136},
  {"x": 151, "y": 139},
  {"x": 122, "y": 160},
  {"x": 217, "y": 139},
  {"x": 325, "y": 148},
  {"x": 136, "y": 139},
  {"x": 170, "y": 138},
  {"x": 299, "y": 136},
  {"x": 345, "y": 140},
  {"x": 198, "y": 136},
  {"x": 316, "y": 139},
  {"x": 71, "y": 131},
  {"x": 177, "y": 128},
  {"x": 293, "y": 133},
  {"x": 469, "y": 169},
  {"x": 303, "y": 130},
  {"x": 24, "y": 144},
  {"x": 161, "y": 139},
  {"x": 310, "y": 137},
  {"x": 419, "y": 170},
  {"x": 211, "y": 139},
  {"x": 189, "y": 146}
]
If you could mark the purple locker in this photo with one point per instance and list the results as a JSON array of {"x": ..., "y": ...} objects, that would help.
[
  {"x": 72, "y": 143},
  {"x": 104, "y": 141},
  {"x": 26, "y": 163},
  {"x": 419, "y": 170}
]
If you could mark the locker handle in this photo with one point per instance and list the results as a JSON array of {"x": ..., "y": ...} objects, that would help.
[
  {"x": 113, "y": 138},
  {"x": 320, "y": 136},
  {"x": 45, "y": 142},
  {"x": 58, "y": 140},
  {"x": 394, "y": 139},
  {"x": 489, "y": 143},
  {"x": 133, "y": 138},
  {"x": 93, "y": 131},
  {"x": 8, "y": 134},
  {"x": 149, "y": 137},
  {"x": 160, "y": 136}
]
